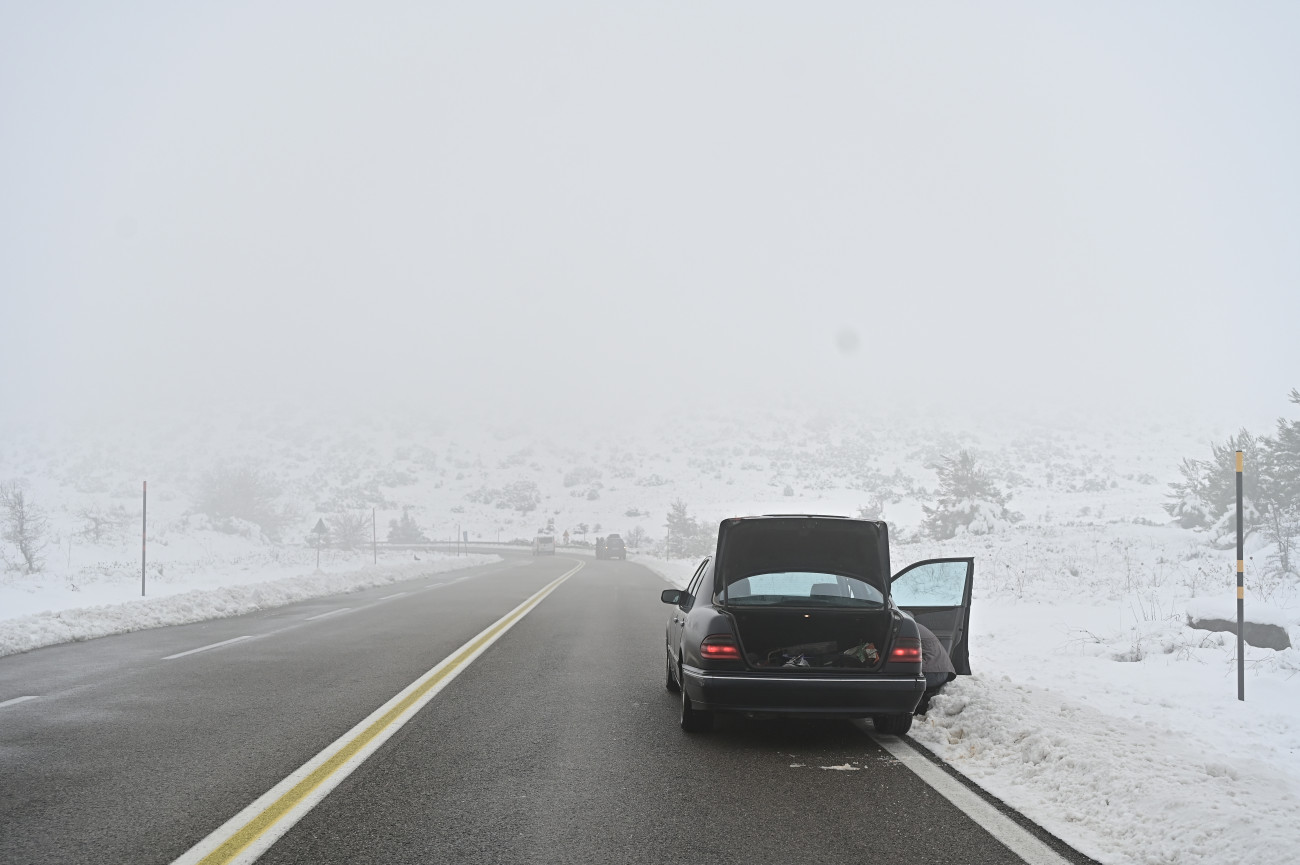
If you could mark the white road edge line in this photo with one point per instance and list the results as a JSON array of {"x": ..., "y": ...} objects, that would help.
[
  {"x": 205, "y": 648},
  {"x": 390, "y": 597},
  {"x": 990, "y": 819},
  {"x": 17, "y": 700},
  {"x": 325, "y": 615},
  {"x": 446, "y": 670}
]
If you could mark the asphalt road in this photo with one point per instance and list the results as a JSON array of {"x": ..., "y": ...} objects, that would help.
[{"x": 559, "y": 744}]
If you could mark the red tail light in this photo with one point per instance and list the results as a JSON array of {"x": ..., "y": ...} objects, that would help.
[
  {"x": 906, "y": 650},
  {"x": 720, "y": 647}
]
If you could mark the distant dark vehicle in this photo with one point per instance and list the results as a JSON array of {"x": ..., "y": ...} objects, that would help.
[
  {"x": 798, "y": 616},
  {"x": 611, "y": 547}
]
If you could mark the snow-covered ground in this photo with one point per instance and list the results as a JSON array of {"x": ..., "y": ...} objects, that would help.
[
  {"x": 39, "y": 613},
  {"x": 1095, "y": 708}
]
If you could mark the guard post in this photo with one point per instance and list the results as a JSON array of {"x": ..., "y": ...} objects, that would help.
[
  {"x": 1241, "y": 590},
  {"x": 144, "y": 530}
]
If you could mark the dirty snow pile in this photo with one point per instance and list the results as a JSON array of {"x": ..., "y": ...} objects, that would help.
[{"x": 34, "y": 615}]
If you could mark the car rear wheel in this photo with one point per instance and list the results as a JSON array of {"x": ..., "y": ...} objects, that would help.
[
  {"x": 893, "y": 725},
  {"x": 670, "y": 682},
  {"x": 694, "y": 720}
]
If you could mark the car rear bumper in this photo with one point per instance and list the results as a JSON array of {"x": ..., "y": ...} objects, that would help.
[{"x": 804, "y": 696}]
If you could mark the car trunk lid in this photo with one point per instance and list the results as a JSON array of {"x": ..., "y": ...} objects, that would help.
[{"x": 806, "y": 593}]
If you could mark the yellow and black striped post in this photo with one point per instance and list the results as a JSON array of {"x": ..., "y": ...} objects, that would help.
[{"x": 1241, "y": 592}]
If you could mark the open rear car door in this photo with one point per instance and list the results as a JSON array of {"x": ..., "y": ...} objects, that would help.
[{"x": 937, "y": 594}]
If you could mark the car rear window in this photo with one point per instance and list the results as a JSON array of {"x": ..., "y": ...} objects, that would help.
[{"x": 803, "y": 588}]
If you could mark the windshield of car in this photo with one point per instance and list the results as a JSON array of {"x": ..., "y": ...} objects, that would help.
[{"x": 803, "y": 588}]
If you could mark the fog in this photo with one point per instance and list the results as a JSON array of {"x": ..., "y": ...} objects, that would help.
[{"x": 495, "y": 207}]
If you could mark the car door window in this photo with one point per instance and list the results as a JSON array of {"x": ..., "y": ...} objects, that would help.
[
  {"x": 931, "y": 584},
  {"x": 937, "y": 594},
  {"x": 693, "y": 588}
]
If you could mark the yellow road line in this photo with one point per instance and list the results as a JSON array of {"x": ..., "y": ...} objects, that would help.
[{"x": 247, "y": 835}]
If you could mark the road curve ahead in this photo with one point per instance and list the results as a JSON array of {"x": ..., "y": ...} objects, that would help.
[{"x": 557, "y": 744}]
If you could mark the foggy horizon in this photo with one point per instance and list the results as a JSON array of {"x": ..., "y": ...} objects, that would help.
[{"x": 494, "y": 207}]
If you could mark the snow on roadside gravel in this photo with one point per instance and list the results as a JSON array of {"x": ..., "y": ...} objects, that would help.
[
  {"x": 1116, "y": 789},
  {"x": 24, "y": 633}
]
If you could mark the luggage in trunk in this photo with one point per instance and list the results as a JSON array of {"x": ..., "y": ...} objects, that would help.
[{"x": 812, "y": 640}]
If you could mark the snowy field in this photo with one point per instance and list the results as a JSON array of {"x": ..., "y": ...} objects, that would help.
[{"x": 1095, "y": 708}]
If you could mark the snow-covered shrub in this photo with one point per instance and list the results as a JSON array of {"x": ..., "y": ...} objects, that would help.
[
  {"x": 969, "y": 501},
  {"x": 522, "y": 496},
  {"x": 582, "y": 475}
]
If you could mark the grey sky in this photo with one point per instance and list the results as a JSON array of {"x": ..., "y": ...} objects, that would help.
[{"x": 480, "y": 200}]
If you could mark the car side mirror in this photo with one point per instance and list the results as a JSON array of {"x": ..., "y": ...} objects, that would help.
[{"x": 672, "y": 596}]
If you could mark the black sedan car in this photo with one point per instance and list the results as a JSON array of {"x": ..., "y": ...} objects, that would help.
[{"x": 799, "y": 616}]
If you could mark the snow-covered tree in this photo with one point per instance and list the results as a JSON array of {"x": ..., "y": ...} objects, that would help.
[
  {"x": 1206, "y": 496},
  {"x": 687, "y": 537},
  {"x": 1280, "y": 466},
  {"x": 406, "y": 530},
  {"x": 969, "y": 501}
]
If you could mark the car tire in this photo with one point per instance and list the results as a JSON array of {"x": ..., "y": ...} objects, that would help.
[
  {"x": 670, "y": 681},
  {"x": 893, "y": 725},
  {"x": 694, "y": 720}
]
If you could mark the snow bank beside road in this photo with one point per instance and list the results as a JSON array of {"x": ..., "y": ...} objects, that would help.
[
  {"x": 1122, "y": 790},
  {"x": 26, "y": 632}
]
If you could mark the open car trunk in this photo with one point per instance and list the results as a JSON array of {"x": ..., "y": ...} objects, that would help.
[
  {"x": 812, "y": 640},
  {"x": 806, "y": 592}
]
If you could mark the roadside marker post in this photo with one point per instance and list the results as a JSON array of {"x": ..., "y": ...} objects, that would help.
[
  {"x": 374, "y": 538},
  {"x": 144, "y": 530},
  {"x": 1241, "y": 590}
]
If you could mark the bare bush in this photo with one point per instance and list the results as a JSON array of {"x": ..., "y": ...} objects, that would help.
[
  {"x": 232, "y": 493},
  {"x": 24, "y": 525},
  {"x": 101, "y": 524},
  {"x": 350, "y": 530}
]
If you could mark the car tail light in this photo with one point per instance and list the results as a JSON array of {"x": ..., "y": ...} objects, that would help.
[
  {"x": 720, "y": 647},
  {"x": 907, "y": 650}
]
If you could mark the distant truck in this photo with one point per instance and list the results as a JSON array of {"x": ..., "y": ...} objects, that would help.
[
  {"x": 544, "y": 545},
  {"x": 611, "y": 547}
]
